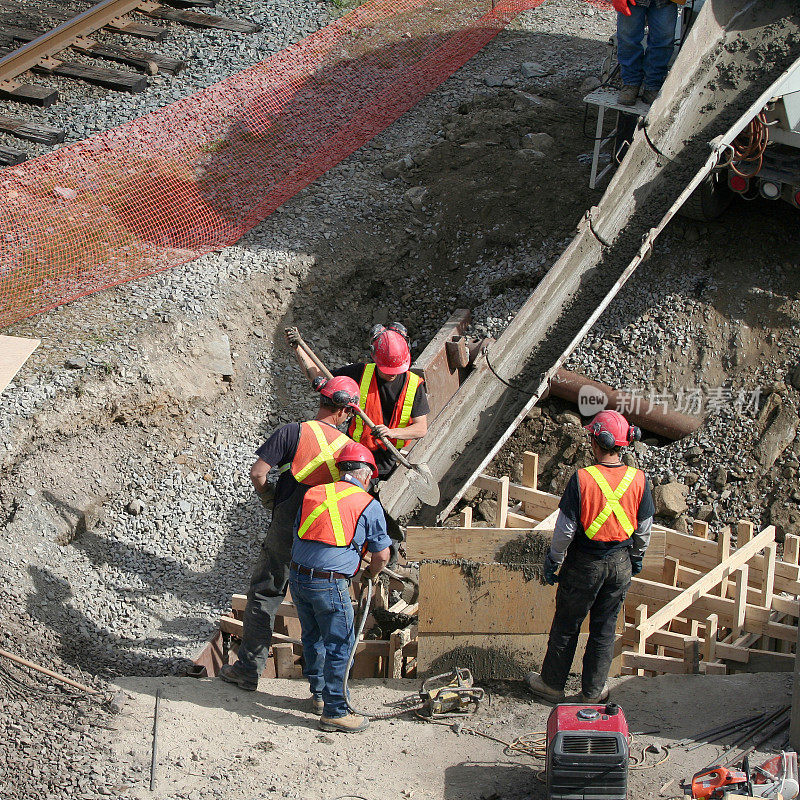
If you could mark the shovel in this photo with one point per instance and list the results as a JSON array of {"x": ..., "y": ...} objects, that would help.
[{"x": 420, "y": 477}]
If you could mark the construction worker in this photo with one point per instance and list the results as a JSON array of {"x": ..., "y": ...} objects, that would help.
[
  {"x": 389, "y": 393},
  {"x": 638, "y": 65},
  {"x": 603, "y": 528},
  {"x": 305, "y": 455},
  {"x": 336, "y": 524}
]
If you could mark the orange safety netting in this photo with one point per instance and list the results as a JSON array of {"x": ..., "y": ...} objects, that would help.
[{"x": 192, "y": 177}]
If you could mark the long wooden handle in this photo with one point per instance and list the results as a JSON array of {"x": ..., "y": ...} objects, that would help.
[
  {"x": 25, "y": 663},
  {"x": 313, "y": 356},
  {"x": 365, "y": 419}
]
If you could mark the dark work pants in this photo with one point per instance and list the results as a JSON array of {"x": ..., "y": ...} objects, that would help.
[
  {"x": 268, "y": 586},
  {"x": 588, "y": 584}
]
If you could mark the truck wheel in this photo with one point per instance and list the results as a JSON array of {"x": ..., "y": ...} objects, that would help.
[{"x": 709, "y": 199}]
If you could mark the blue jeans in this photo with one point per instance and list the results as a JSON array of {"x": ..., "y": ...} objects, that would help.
[
  {"x": 636, "y": 64},
  {"x": 326, "y": 618}
]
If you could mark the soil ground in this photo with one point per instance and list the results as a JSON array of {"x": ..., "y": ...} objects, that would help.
[{"x": 213, "y": 736}]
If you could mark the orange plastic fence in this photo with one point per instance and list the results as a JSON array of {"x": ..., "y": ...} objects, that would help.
[{"x": 194, "y": 176}]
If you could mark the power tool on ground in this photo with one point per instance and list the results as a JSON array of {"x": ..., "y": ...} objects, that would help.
[{"x": 451, "y": 693}]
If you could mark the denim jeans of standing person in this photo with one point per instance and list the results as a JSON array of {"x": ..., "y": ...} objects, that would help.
[
  {"x": 268, "y": 587},
  {"x": 593, "y": 585},
  {"x": 326, "y": 619},
  {"x": 637, "y": 64}
]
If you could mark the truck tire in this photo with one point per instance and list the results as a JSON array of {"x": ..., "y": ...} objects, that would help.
[{"x": 709, "y": 199}]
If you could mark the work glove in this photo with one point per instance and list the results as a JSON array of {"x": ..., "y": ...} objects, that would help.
[
  {"x": 267, "y": 496},
  {"x": 636, "y": 564},
  {"x": 622, "y": 6},
  {"x": 550, "y": 567},
  {"x": 292, "y": 337}
]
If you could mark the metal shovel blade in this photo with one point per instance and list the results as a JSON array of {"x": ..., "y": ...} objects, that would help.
[{"x": 423, "y": 484}]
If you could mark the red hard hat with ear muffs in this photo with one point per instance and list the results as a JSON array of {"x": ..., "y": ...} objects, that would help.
[
  {"x": 342, "y": 390},
  {"x": 389, "y": 348},
  {"x": 610, "y": 429}
]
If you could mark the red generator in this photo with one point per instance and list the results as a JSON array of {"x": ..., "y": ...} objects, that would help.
[{"x": 587, "y": 753}]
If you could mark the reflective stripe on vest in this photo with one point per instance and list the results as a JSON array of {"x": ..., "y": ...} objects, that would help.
[
  {"x": 330, "y": 505},
  {"x": 401, "y": 414},
  {"x": 325, "y": 457},
  {"x": 357, "y": 429},
  {"x": 612, "y": 505},
  {"x": 414, "y": 381}
]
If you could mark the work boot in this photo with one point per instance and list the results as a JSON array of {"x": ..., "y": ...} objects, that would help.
[
  {"x": 542, "y": 690},
  {"x": 317, "y": 704},
  {"x": 352, "y": 723},
  {"x": 628, "y": 94},
  {"x": 233, "y": 673},
  {"x": 594, "y": 700},
  {"x": 649, "y": 96}
]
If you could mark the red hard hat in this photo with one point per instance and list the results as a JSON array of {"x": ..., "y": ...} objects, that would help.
[
  {"x": 342, "y": 390},
  {"x": 356, "y": 453},
  {"x": 612, "y": 424},
  {"x": 391, "y": 353}
]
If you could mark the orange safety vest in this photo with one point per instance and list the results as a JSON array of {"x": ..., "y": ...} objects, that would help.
[
  {"x": 314, "y": 460},
  {"x": 610, "y": 499},
  {"x": 370, "y": 401},
  {"x": 330, "y": 513}
]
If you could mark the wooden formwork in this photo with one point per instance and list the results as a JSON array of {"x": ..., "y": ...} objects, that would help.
[
  {"x": 705, "y": 607},
  {"x": 394, "y": 657}
]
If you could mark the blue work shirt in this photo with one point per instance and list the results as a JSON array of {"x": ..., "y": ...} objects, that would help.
[{"x": 370, "y": 528}]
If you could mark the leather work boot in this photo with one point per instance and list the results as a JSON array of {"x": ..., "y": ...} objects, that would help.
[
  {"x": 628, "y": 94},
  {"x": 352, "y": 723},
  {"x": 597, "y": 699},
  {"x": 232, "y": 673},
  {"x": 649, "y": 96},
  {"x": 541, "y": 689},
  {"x": 317, "y": 705}
]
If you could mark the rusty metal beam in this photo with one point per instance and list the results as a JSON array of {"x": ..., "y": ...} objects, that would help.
[{"x": 41, "y": 50}]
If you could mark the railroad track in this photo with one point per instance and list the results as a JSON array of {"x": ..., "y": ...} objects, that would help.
[{"x": 25, "y": 51}]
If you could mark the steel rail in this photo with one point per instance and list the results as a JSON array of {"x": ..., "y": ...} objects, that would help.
[{"x": 40, "y": 51}]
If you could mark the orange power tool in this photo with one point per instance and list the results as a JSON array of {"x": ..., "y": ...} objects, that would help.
[{"x": 711, "y": 784}]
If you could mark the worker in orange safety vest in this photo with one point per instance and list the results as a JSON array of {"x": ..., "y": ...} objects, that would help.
[
  {"x": 389, "y": 393},
  {"x": 603, "y": 528},
  {"x": 336, "y": 524},
  {"x": 305, "y": 455}
]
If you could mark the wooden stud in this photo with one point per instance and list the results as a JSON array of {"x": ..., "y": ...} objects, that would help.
[
  {"x": 744, "y": 532},
  {"x": 669, "y": 573},
  {"x": 740, "y": 599},
  {"x": 283, "y": 654},
  {"x": 691, "y": 655},
  {"x": 397, "y": 641},
  {"x": 768, "y": 574},
  {"x": 709, "y": 652},
  {"x": 502, "y": 502},
  {"x": 530, "y": 469},
  {"x": 724, "y": 550},
  {"x": 641, "y": 643},
  {"x": 465, "y": 520},
  {"x": 700, "y": 529},
  {"x": 791, "y": 548}
]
